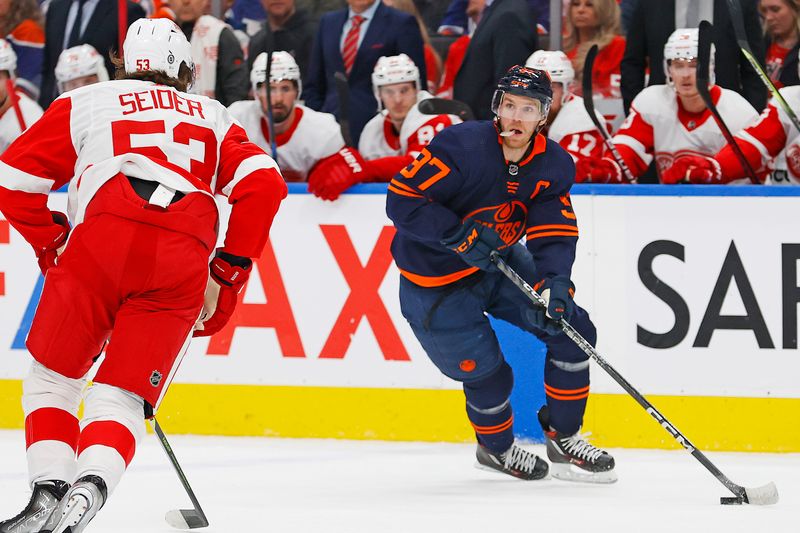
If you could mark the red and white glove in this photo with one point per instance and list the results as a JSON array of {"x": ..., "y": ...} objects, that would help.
[
  {"x": 228, "y": 274},
  {"x": 333, "y": 175},
  {"x": 692, "y": 169},
  {"x": 47, "y": 256},
  {"x": 598, "y": 170}
]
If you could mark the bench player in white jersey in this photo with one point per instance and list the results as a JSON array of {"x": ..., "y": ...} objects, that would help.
[
  {"x": 568, "y": 122},
  {"x": 303, "y": 136},
  {"x": 143, "y": 159},
  {"x": 78, "y": 66},
  {"x": 399, "y": 130},
  {"x": 771, "y": 143},
  {"x": 17, "y": 111},
  {"x": 671, "y": 121}
]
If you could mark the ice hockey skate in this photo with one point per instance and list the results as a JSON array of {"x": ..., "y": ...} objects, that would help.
[
  {"x": 514, "y": 462},
  {"x": 44, "y": 500},
  {"x": 78, "y": 506},
  {"x": 573, "y": 458}
]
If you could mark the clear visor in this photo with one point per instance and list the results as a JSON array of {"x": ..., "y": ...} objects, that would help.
[{"x": 514, "y": 107}]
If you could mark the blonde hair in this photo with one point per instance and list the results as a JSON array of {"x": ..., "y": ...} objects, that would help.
[
  {"x": 19, "y": 11},
  {"x": 794, "y": 6},
  {"x": 608, "y": 27}
]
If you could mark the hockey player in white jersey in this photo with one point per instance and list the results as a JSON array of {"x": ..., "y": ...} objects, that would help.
[
  {"x": 78, "y": 66},
  {"x": 568, "y": 122},
  {"x": 668, "y": 122},
  {"x": 17, "y": 111},
  {"x": 771, "y": 143},
  {"x": 303, "y": 136},
  {"x": 143, "y": 160}
]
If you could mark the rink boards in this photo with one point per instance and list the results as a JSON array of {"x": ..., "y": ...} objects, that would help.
[{"x": 694, "y": 295}]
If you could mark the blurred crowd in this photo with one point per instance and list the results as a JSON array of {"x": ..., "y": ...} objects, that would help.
[{"x": 332, "y": 88}]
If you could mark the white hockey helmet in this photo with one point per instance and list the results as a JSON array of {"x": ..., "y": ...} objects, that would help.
[
  {"x": 555, "y": 63},
  {"x": 156, "y": 44},
  {"x": 393, "y": 69},
  {"x": 78, "y": 62},
  {"x": 284, "y": 67},
  {"x": 8, "y": 58},
  {"x": 684, "y": 43}
]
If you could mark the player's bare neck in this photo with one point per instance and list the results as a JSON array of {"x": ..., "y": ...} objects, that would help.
[
  {"x": 515, "y": 154},
  {"x": 692, "y": 104},
  {"x": 283, "y": 127}
]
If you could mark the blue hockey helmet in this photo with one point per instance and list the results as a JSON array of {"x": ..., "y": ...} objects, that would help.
[{"x": 525, "y": 81}]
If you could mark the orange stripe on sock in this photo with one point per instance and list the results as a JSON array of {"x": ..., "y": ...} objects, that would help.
[
  {"x": 491, "y": 430},
  {"x": 566, "y": 391}
]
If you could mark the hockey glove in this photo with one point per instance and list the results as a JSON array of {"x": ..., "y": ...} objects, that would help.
[
  {"x": 47, "y": 256},
  {"x": 557, "y": 293},
  {"x": 335, "y": 174},
  {"x": 692, "y": 169},
  {"x": 474, "y": 243},
  {"x": 598, "y": 170},
  {"x": 228, "y": 274}
]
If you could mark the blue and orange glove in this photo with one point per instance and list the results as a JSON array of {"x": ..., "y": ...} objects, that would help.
[
  {"x": 557, "y": 292},
  {"x": 474, "y": 243}
]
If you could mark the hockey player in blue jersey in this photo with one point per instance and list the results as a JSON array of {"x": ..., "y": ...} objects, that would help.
[{"x": 480, "y": 187}]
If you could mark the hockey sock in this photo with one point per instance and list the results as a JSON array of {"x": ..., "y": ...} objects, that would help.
[
  {"x": 50, "y": 402},
  {"x": 489, "y": 409},
  {"x": 112, "y": 424},
  {"x": 566, "y": 385}
]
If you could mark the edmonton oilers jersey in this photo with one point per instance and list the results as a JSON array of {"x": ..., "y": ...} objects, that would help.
[{"x": 463, "y": 174}]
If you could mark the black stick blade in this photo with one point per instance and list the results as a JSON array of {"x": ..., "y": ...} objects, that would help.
[
  {"x": 343, "y": 92},
  {"x": 185, "y": 519},
  {"x": 586, "y": 82},
  {"x": 442, "y": 106},
  {"x": 704, "y": 54}
]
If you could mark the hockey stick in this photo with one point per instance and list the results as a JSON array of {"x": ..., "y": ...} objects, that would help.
[
  {"x": 11, "y": 92},
  {"x": 181, "y": 518},
  {"x": 765, "y": 495},
  {"x": 741, "y": 38},
  {"x": 442, "y": 106},
  {"x": 588, "y": 104},
  {"x": 273, "y": 144},
  {"x": 343, "y": 92},
  {"x": 702, "y": 81}
]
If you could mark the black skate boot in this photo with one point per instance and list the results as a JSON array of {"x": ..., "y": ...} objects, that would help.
[
  {"x": 78, "y": 506},
  {"x": 45, "y": 498},
  {"x": 574, "y": 459},
  {"x": 514, "y": 462}
]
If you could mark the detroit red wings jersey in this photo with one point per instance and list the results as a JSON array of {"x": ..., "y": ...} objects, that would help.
[
  {"x": 574, "y": 130},
  {"x": 186, "y": 142},
  {"x": 312, "y": 137},
  {"x": 774, "y": 136},
  {"x": 658, "y": 126},
  {"x": 378, "y": 139},
  {"x": 9, "y": 122}
]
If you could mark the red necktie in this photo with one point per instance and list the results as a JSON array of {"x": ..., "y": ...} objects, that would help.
[{"x": 351, "y": 44}]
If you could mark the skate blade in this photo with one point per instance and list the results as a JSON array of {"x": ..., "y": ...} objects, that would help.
[
  {"x": 73, "y": 513},
  {"x": 481, "y": 466},
  {"x": 569, "y": 472}
]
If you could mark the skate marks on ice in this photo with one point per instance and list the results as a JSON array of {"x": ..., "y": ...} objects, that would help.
[{"x": 330, "y": 486}]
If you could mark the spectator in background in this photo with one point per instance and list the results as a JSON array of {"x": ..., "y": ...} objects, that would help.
[
  {"x": 69, "y": 23},
  {"x": 78, "y": 66},
  {"x": 502, "y": 39},
  {"x": 245, "y": 15},
  {"x": 317, "y": 8},
  {"x": 458, "y": 21},
  {"x": 457, "y": 50},
  {"x": 21, "y": 24},
  {"x": 590, "y": 22},
  {"x": 432, "y": 12},
  {"x": 13, "y": 123},
  {"x": 351, "y": 41},
  {"x": 220, "y": 69},
  {"x": 626, "y": 8},
  {"x": 287, "y": 28},
  {"x": 654, "y": 20},
  {"x": 781, "y": 39},
  {"x": 433, "y": 62}
]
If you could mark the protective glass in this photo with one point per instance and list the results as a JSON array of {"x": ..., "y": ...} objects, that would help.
[{"x": 520, "y": 108}]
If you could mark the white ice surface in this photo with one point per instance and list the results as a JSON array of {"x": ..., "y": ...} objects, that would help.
[{"x": 289, "y": 485}]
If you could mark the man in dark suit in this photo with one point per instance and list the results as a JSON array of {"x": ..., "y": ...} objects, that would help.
[
  {"x": 98, "y": 27},
  {"x": 286, "y": 28},
  {"x": 504, "y": 38},
  {"x": 351, "y": 41},
  {"x": 653, "y": 21}
]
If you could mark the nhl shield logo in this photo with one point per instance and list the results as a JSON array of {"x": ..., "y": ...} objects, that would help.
[
  {"x": 170, "y": 58},
  {"x": 155, "y": 378}
]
